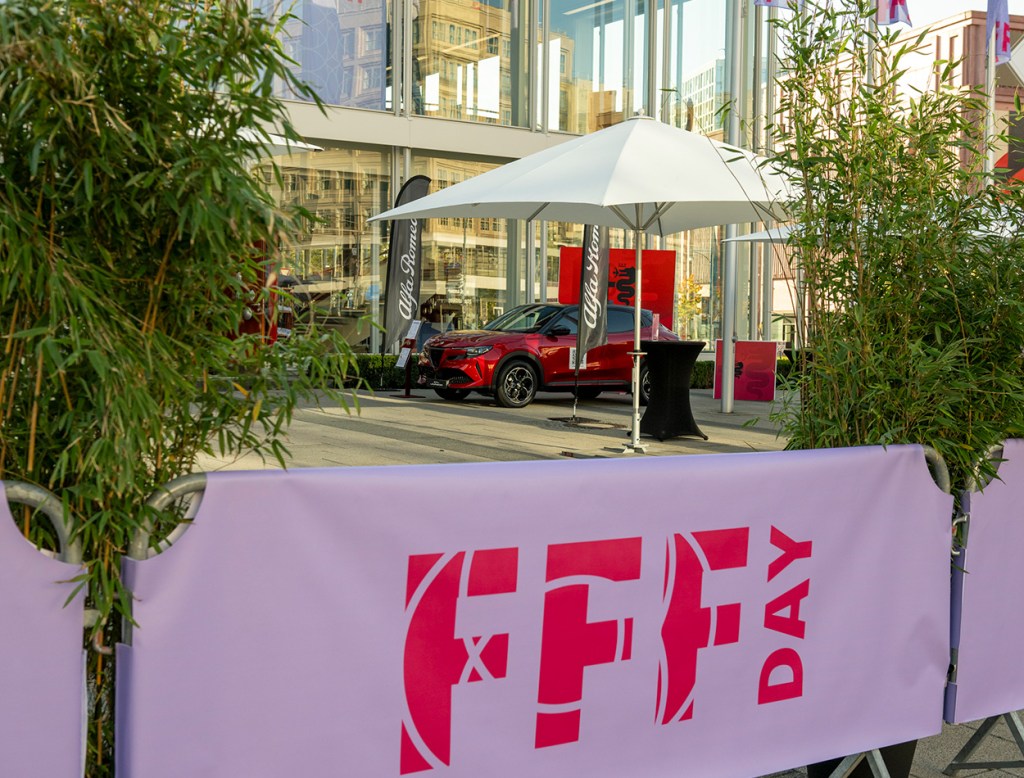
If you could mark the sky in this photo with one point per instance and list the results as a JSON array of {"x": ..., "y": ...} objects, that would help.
[{"x": 924, "y": 12}]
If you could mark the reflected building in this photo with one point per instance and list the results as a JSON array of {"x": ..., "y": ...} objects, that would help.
[{"x": 452, "y": 88}]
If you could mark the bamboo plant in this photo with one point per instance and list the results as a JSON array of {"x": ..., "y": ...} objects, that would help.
[
  {"x": 910, "y": 253},
  {"x": 132, "y": 228}
]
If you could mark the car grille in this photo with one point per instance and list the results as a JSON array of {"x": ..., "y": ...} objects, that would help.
[{"x": 435, "y": 354}]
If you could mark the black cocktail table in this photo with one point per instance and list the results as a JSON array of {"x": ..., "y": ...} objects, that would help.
[{"x": 670, "y": 365}]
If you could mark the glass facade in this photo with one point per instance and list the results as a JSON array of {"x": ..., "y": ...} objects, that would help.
[
  {"x": 468, "y": 60},
  {"x": 464, "y": 260},
  {"x": 336, "y": 262},
  {"x": 433, "y": 69},
  {"x": 340, "y": 48}
]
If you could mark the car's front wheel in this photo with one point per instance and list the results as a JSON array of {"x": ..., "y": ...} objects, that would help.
[
  {"x": 517, "y": 385},
  {"x": 453, "y": 395}
]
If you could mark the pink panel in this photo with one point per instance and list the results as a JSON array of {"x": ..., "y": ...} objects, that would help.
[
  {"x": 725, "y": 615},
  {"x": 41, "y": 661}
]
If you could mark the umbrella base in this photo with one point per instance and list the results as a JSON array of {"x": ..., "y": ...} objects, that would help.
[{"x": 634, "y": 448}]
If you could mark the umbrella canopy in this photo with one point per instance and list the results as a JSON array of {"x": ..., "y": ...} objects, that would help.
[
  {"x": 778, "y": 234},
  {"x": 274, "y": 144},
  {"x": 640, "y": 175},
  {"x": 636, "y": 175}
]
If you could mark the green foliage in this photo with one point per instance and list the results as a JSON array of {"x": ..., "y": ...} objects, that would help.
[
  {"x": 378, "y": 371},
  {"x": 703, "y": 375},
  {"x": 915, "y": 299},
  {"x": 130, "y": 232}
]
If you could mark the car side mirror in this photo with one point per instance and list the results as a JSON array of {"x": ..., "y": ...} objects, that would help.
[{"x": 559, "y": 330}]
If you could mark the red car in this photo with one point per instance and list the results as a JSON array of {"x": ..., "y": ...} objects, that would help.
[{"x": 527, "y": 350}]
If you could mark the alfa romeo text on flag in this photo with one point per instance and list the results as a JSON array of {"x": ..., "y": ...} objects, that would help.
[
  {"x": 592, "y": 330},
  {"x": 404, "y": 266}
]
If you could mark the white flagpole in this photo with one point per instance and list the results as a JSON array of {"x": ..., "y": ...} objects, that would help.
[
  {"x": 990, "y": 91},
  {"x": 729, "y": 281}
]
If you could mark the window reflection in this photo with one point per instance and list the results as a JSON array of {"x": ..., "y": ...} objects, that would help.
[
  {"x": 336, "y": 261},
  {"x": 464, "y": 260},
  {"x": 339, "y": 46},
  {"x": 594, "y": 77},
  {"x": 468, "y": 60},
  {"x": 697, "y": 87}
]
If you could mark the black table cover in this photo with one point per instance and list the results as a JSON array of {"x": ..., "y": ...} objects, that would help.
[{"x": 670, "y": 365}]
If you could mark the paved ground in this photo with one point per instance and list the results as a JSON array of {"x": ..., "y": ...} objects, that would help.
[{"x": 389, "y": 429}]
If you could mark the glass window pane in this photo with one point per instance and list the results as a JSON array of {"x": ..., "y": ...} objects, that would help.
[
  {"x": 340, "y": 48},
  {"x": 596, "y": 51},
  {"x": 471, "y": 66},
  {"x": 464, "y": 260},
  {"x": 696, "y": 88},
  {"x": 337, "y": 259}
]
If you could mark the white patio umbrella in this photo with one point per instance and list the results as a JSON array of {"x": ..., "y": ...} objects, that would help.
[
  {"x": 640, "y": 175},
  {"x": 779, "y": 234},
  {"x": 274, "y": 144}
]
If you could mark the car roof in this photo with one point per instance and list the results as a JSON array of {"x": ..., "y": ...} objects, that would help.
[{"x": 576, "y": 305}]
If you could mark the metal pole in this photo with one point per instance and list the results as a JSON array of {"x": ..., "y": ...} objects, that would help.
[
  {"x": 990, "y": 105},
  {"x": 545, "y": 35},
  {"x": 651, "y": 42},
  {"x": 531, "y": 259},
  {"x": 405, "y": 75},
  {"x": 630, "y": 99},
  {"x": 768, "y": 257},
  {"x": 664, "y": 104},
  {"x": 542, "y": 266},
  {"x": 729, "y": 291},
  {"x": 635, "y": 447},
  {"x": 758, "y": 251}
]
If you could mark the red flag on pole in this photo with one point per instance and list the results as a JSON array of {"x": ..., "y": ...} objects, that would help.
[
  {"x": 999, "y": 20},
  {"x": 893, "y": 12}
]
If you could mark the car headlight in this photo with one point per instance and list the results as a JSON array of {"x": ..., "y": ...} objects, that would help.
[{"x": 476, "y": 351}]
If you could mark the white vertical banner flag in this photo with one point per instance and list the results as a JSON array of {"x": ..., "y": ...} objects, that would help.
[
  {"x": 893, "y": 12},
  {"x": 999, "y": 19}
]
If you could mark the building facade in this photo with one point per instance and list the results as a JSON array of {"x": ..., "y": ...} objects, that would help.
[{"x": 452, "y": 88}]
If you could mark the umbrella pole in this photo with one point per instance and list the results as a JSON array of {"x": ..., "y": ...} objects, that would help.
[{"x": 634, "y": 446}]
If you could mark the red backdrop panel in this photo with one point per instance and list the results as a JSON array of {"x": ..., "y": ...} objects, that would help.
[
  {"x": 659, "y": 279},
  {"x": 755, "y": 370}
]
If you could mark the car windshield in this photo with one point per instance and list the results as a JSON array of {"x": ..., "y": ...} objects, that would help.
[{"x": 526, "y": 318}]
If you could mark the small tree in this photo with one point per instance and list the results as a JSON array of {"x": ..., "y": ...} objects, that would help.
[
  {"x": 911, "y": 259},
  {"x": 131, "y": 227},
  {"x": 688, "y": 304}
]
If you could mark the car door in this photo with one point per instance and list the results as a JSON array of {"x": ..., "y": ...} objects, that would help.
[
  {"x": 554, "y": 345},
  {"x": 611, "y": 363}
]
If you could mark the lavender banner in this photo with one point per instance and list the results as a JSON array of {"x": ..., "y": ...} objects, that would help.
[
  {"x": 667, "y": 616},
  {"x": 990, "y": 673},
  {"x": 41, "y": 660}
]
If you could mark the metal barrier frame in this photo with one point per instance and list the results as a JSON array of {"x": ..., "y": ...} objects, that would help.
[
  {"x": 166, "y": 495},
  {"x": 959, "y": 762},
  {"x": 50, "y": 506}
]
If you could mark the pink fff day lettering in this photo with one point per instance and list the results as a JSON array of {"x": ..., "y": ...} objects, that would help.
[{"x": 436, "y": 660}]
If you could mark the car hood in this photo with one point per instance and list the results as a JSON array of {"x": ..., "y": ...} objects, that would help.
[{"x": 465, "y": 338}]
